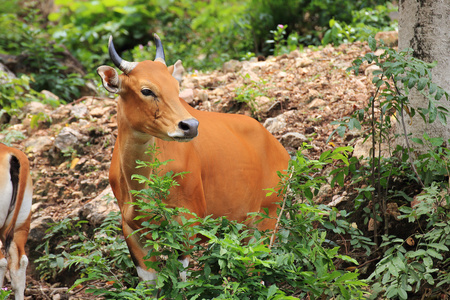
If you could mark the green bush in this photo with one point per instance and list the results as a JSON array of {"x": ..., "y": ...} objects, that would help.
[
  {"x": 236, "y": 262},
  {"x": 365, "y": 22},
  {"x": 41, "y": 59},
  {"x": 201, "y": 34},
  {"x": 411, "y": 258}
]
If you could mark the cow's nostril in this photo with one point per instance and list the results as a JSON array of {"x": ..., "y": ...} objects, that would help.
[
  {"x": 189, "y": 127},
  {"x": 183, "y": 126}
]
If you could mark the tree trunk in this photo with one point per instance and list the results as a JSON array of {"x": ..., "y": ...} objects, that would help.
[{"x": 424, "y": 26}]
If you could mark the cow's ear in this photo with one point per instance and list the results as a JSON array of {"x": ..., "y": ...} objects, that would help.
[
  {"x": 177, "y": 71},
  {"x": 110, "y": 79}
]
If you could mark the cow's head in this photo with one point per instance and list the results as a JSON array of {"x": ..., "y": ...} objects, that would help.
[{"x": 149, "y": 92}]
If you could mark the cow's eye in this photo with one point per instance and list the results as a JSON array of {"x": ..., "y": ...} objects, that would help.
[{"x": 148, "y": 92}]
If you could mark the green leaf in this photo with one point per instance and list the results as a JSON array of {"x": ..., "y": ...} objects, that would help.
[
  {"x": 433, "y": 88},
  {"x": 271, "y": 291},
  {"x": 412, "y": 82},
  {"x": 422, "y": 83},
  {"x": 439, "y": 94},
  {"x": 417, "y": 140},
  {"x": 436, "y": 142},
  {"x": 347, "y": 276},
  {"x": 372, "y": 43},
  {"x": 402, "y": 294},
  {"x": 434, "y": 254}
]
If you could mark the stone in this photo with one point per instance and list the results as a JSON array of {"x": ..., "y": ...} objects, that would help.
[
  {"x": 262, "y": 102},
  {"x": 6, "y": 74},
  {"x": 49, "y": 95},
  {"x": 38, "y": 227},
  {"x": 187, "y": 95},
  {"x": 370, "y": 69},
  {"x": 293, "y": 139},
  {"x": 38, "y": 144},
  {"x": 390, "y": 38},
  {"x": 34, "y": 108},
  {"x": 250, "y": 77},
  {"x": 232, "y": 66},
  {"x": 303, "y": 62},
  {"x": 295, "y": 54},
  {"x": 275, "y": 124},
  {"x": 98, "y": 112},
  {"x": 317, "y": 103},
  {"x": 96, "y": 210},
  {"x": 79, "y": 111},
  {"x": 68, "y": 138}
]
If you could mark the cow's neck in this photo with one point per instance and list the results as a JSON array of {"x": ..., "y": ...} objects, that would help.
[{"x": 132, "y": 147}]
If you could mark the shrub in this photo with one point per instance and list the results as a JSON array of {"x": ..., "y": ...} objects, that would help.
[{"x": 41, "y": 59}]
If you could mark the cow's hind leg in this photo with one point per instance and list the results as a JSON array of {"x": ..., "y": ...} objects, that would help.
[
  {"x": 3, "y": 268},
  {"x": 184, "y": 260},
  {"x": 18, "y": 262}
]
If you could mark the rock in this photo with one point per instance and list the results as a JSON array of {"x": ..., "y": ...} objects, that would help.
[
  {"x": 360, "y": 97},
  {"x": 187, "y": 95},
  {"x": 250, "y": 77},
  {"x": 324, "y": 190},
  {"x": 303, "y": 62},
  {"x": 232, "y": 66},
  {"x": 98, "y": 112},
  {"x": 218, "y": 91},
  {"x": 317, "y": 103},
  {"x": 390, "y": 38},
  {"x": 361, "y": 86},
  {"x": 276, "y": 124},
  {"x": 295, "y": 54},
  {"x": 6, "y": 74},
  {"x": 370, "y": 69},
  {"x": 96, "y": 210},
  {"x": 49, "y": 95},
  {"x": 362, "y": 148},
  {"x": 281, "y": 74},
  {"x": 79, "y": 111},
  {"x": 68, "y": 138},
  {"x": 293, "y": 139},
  {"x": 263, "y": 103},
  {"x": 38, "y": 228},
  {"x": 202, "y": 96},
  {"x": 34, "y": 108},
  {"x": 38, "y": 144}
]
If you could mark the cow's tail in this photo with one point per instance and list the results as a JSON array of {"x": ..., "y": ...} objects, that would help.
[{"x": 19, "y": 170}]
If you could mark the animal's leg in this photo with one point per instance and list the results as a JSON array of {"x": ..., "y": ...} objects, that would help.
[
  {"x": 184, "y": 260},
  {"x": 18, "y": 262},
  {"x": 138, "y": 252},
  {"x": 269, "y": 223},
  {"x": 3, "y": 268}
]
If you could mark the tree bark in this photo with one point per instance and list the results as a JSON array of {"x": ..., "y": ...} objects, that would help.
[{"x": 424, "y": 26}]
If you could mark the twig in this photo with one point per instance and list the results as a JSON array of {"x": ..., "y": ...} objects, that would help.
[
  {"x": 406, "y": 137},
  {"x": 272, "y": 238}
]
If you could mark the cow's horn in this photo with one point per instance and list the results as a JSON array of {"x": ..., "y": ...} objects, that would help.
[
  {"x": 159, "y": 50},
  {"x": 123, "y": 65}
]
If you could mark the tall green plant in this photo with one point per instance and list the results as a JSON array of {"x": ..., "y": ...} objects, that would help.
[{"x": 407, "y": 264}]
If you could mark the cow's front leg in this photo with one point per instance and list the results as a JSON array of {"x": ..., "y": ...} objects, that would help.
[{"x": 138, "y": 252}]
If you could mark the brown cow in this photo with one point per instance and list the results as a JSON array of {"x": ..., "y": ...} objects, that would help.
[
  {"x": 16, "y": 191},
  {"x": 231, "y": 159}
]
